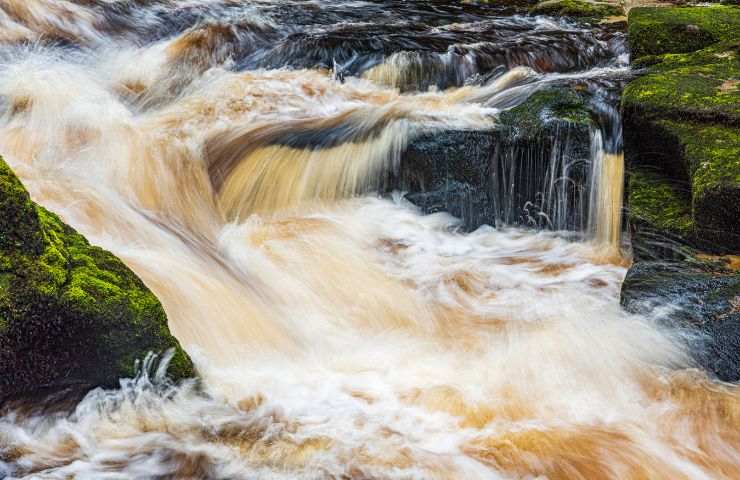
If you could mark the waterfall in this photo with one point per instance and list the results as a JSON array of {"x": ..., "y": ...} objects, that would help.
[
  {"x": 543, "y": 184},
  {"x": 240, "y": 156},
  {"x": 607, "y": 191},
  {"x": 552, "y": 181},
  {"x": 607, "y": 178}
]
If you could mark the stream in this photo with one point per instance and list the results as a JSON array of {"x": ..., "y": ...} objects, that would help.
[{"x": 242, "y": 157}]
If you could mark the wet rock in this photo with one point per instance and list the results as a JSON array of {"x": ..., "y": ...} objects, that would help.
[
  {"x": 451, "y": 171},
  {"x": 705, "y": 296},
  {"x": 71, "y": 314},
  {"x": 502, "y": 176}
]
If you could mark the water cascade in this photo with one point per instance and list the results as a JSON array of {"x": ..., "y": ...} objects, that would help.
[{"x": 244, "y": 157}]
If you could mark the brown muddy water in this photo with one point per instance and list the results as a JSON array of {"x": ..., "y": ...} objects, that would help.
[{"x": 231, "y": 153}]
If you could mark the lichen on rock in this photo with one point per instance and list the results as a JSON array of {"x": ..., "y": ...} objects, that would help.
[{"x": 70, "y": 313}]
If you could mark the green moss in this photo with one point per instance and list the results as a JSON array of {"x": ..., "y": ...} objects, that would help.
[
  {"x": 71, "y": 312},
  {"x": 700, "y": 86},
  {"x": 683, "y": 115},
  {"x": 659, "y": 30},
  {"x": 712, "y": 153},
  {"x": 545, "y": 107},
  {"x": 660, "y": 202},
  {"x": 577, "y": 8},
  {"x": 19, "y": 227}
]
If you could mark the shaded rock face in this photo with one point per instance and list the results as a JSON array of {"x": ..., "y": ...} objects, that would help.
[
  {"x": 451, "y": 171},
  {"x": 682, "y": 150},
  {"x": 696, "y": 167},
  {"x": 71, "y": 314},
  {"x": 509, "y": 175}
]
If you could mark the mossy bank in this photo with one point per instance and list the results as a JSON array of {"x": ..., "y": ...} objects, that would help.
[
  {"x": 71, "y": 314},
  {"x": 682, "y": 148},
  {"x": 682, "y": 123}
]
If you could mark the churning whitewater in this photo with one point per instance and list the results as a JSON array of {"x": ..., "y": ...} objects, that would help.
[{"x": 238, "y": 156}]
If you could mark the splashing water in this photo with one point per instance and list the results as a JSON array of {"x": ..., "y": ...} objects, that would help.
[{"x": 338, "y": 334}]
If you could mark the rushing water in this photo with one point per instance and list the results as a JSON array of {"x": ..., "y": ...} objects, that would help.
[{"x": 228, "y": 152}]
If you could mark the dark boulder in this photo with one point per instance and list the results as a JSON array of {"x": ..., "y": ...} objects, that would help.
[
  {"x": 507, "y": 175},
  {"x": 451, "y": 171}
]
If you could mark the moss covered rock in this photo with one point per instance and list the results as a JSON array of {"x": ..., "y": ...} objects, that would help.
[
  {"x": 682, "y": 120},
  {"x": 70, "y": 313},
  {"x": 659, "y": 207},
  {"x": 702, "y": 86},
  {"x": 696, "y": 163},
  {"x": 655, "y": 31},
  {"x": 577, "y": 8},
  {"x": 545, "y": 109},
  {"x": 682, "y": 148},
  {"x": 712, "y": 156}
]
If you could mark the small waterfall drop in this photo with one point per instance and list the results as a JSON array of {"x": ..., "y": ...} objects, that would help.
[
  {"x": 607, "y": 191},
  {"x": 607, "y": 179}
]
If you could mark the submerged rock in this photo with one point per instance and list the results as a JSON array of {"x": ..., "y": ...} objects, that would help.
[
  {"x": 507, "y": 175},
  {"x": 70, "y": 313}
]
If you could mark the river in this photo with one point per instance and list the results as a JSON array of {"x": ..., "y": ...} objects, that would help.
[{"x": 236, "y": 155}]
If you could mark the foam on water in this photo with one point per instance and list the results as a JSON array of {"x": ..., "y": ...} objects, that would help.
[{"x": 337, "y": 334}]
